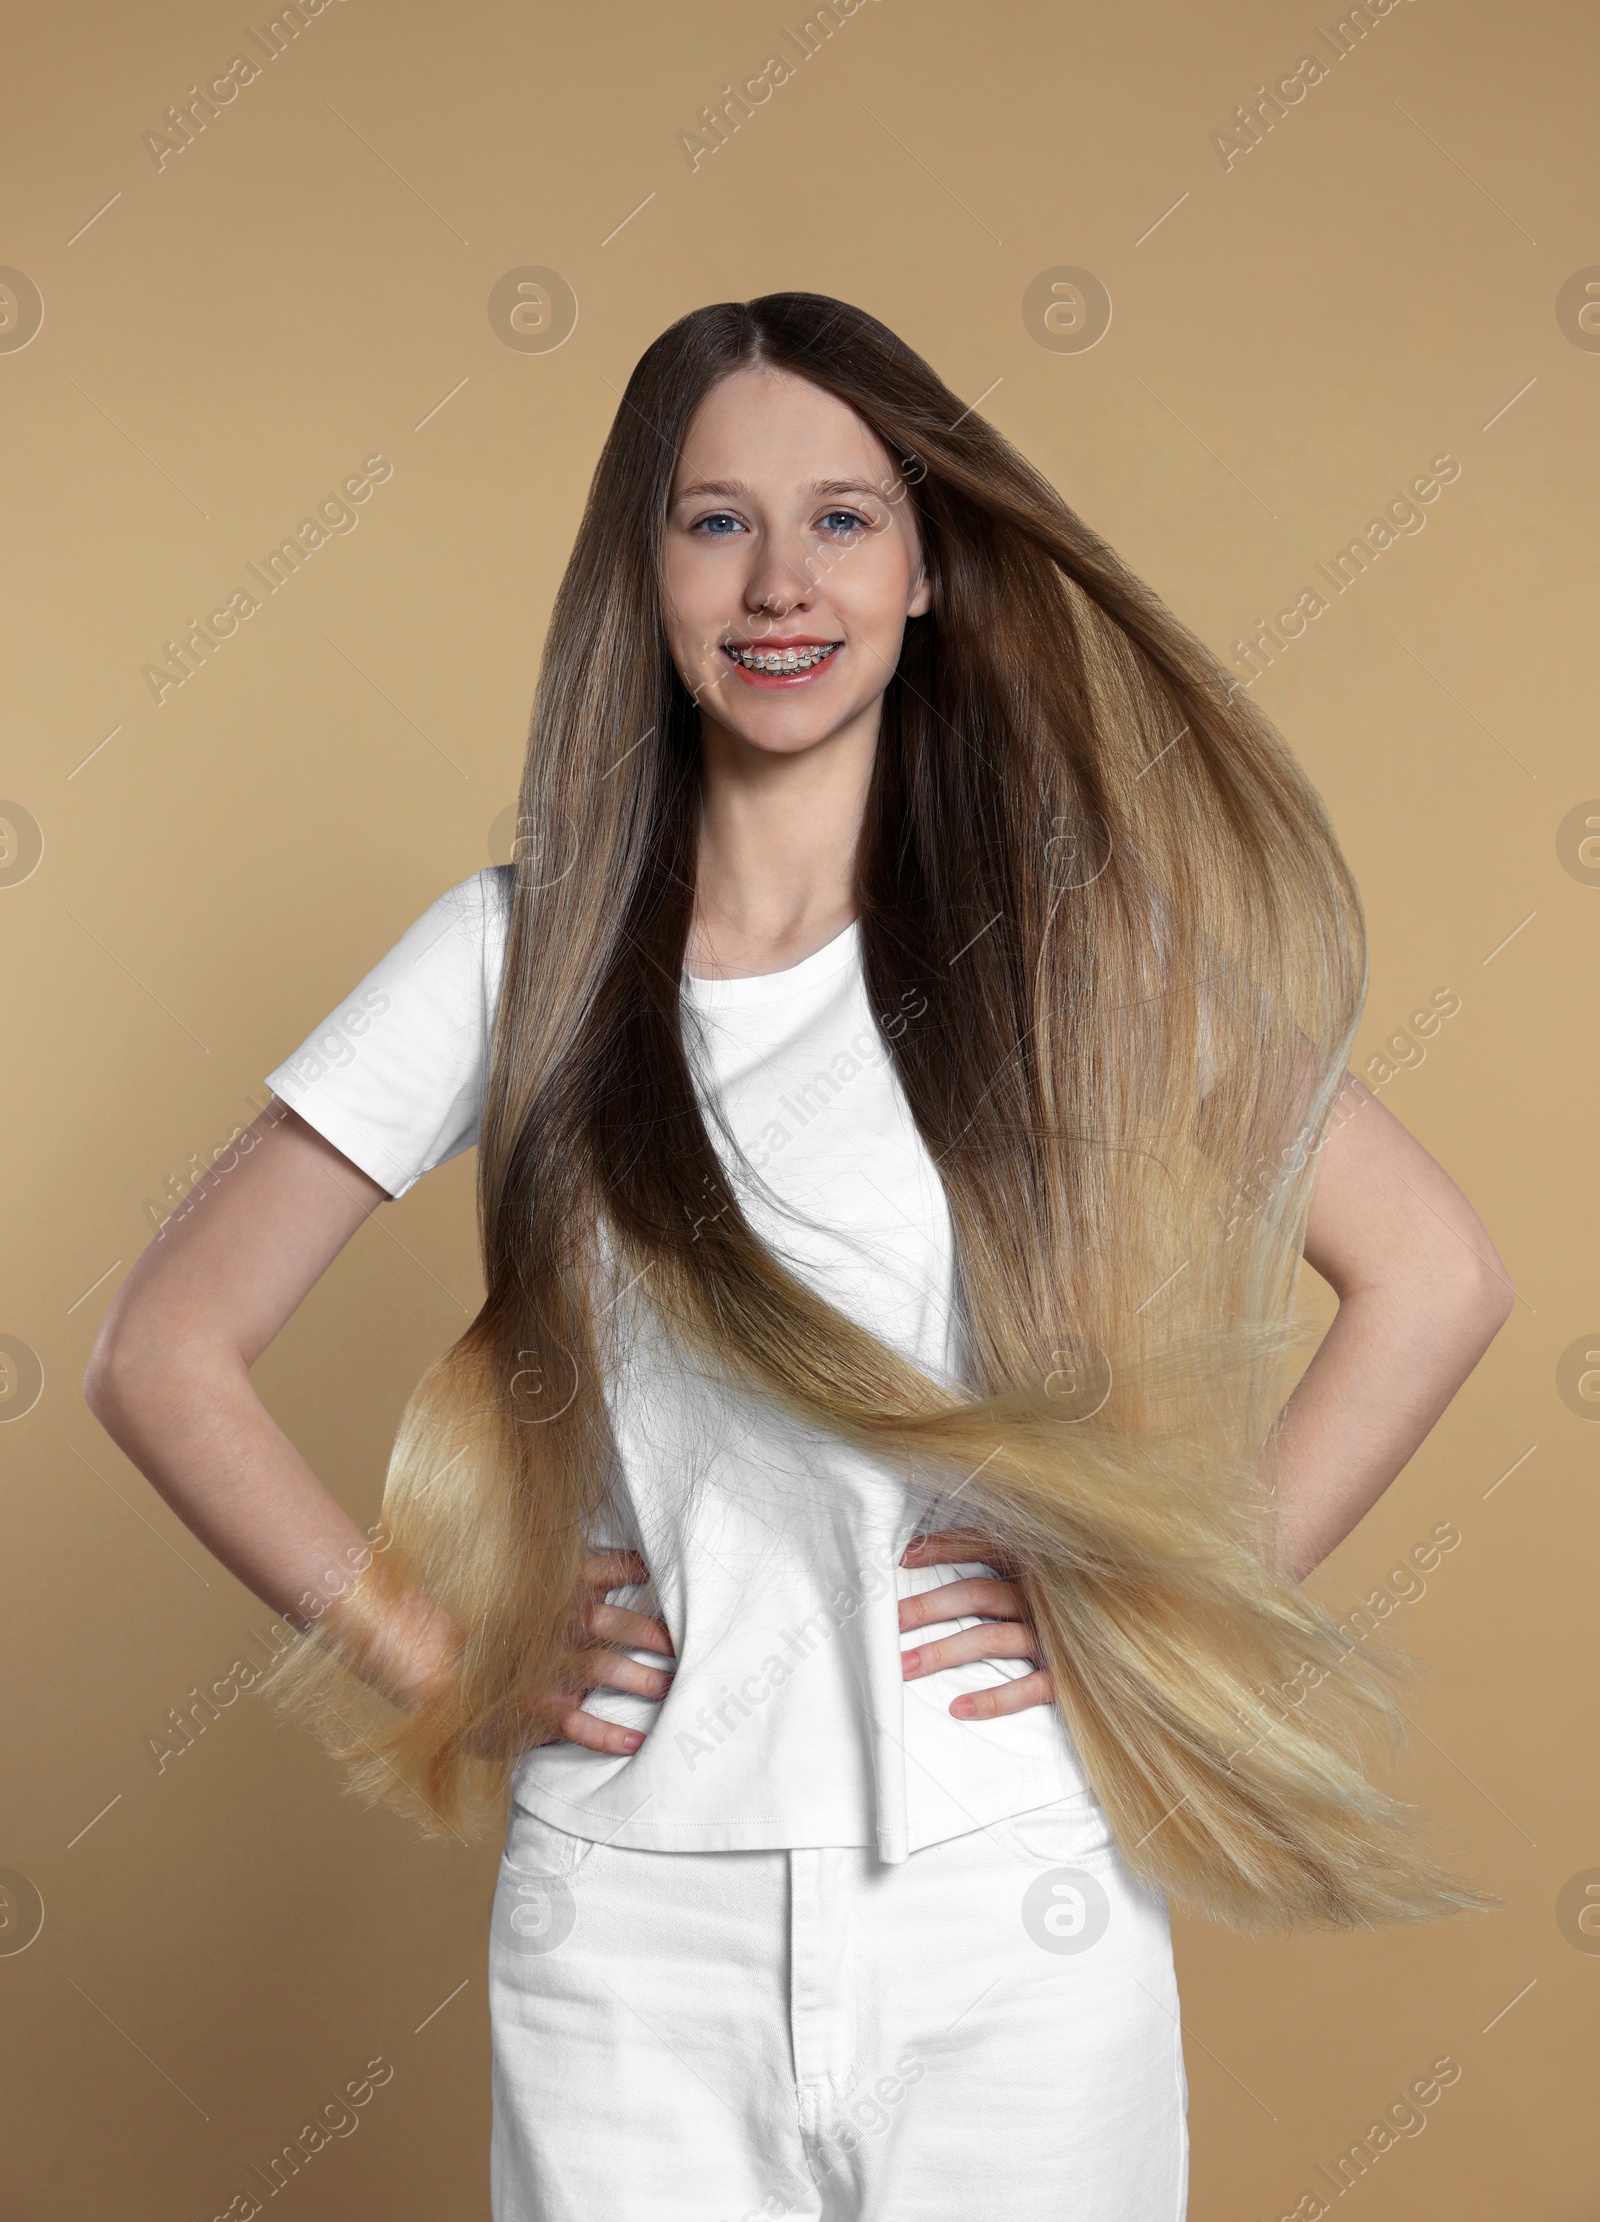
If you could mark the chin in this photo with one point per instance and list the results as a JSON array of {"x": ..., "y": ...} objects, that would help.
[{"x": 787, "y": 740}]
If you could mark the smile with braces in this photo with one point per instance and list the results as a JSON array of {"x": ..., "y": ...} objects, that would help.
[{"x": 784, "y": 660}]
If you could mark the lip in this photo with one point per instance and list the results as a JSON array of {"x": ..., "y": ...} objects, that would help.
[{"x": 774, "y": 646}]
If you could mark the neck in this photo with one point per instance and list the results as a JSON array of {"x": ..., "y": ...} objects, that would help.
[{"x": 775, "y": 873}]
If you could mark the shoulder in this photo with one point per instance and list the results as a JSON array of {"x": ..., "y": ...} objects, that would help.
[
  {"x": 460, "y": 938},
  {"x": 478, "y": 907},
  {"x": 394, "y": 1076},
  {"x": 436, "y": 987}
]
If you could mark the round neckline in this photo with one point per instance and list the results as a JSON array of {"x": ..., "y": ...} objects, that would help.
[{"x": 771, "y": 987}]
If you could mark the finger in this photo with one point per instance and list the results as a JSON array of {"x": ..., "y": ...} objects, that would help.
[
  {"x": 559, "y": 1717},
  {"x": 996, "y": 1639},
  {"x": 605, "y": 1570},
  {"x": 951, "y": 1600},
  {"x": 578, "y": 1727},
  {"x": 614, "y": 1670},
  {"x": 1011, "y": 1697},
  {"x": 948, "y": 1546},
  {"x": 634, "y": 1630}
]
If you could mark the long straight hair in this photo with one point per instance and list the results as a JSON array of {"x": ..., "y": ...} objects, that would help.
[{"x": 1135, "y": 958}]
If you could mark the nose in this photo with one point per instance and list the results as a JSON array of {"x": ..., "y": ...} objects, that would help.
[{"x": 778, "y": 583}]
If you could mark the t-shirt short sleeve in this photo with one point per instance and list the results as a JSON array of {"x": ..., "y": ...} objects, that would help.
[{"x": 394, "y": 1076}]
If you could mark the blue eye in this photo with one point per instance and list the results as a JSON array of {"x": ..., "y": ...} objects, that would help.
[{"x": 721, "y": 524}]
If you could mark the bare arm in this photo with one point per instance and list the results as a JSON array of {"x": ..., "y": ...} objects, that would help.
[
  {"x": 169, "y": 1375},
  {"x": 169, "y": 1380},
  {"x": 1422, "y": 1294}
]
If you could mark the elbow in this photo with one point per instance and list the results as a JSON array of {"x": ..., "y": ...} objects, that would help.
[
  {"x": 96, "y": 1387},
  {"x": 1457, "y": 1296},
  {"x": 1480, "y": 1295},
  {"x": 106, "y": 1374},
  {"x": 1498, "y": 1302},
  {"x": 153, "y": 1356},
  {"x": 133, "y": 1359}
]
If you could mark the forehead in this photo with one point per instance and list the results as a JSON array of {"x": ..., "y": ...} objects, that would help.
[{"x": 777, "y": 433}]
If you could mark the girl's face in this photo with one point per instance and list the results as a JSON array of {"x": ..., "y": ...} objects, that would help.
[{"x": 790, "y": 545}]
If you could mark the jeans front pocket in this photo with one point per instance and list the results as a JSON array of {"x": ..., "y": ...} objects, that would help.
[
  {"x": 532, "y": 1841},
  {"x": 1069, "y": 1831},
  {"x": 1071, "y": 1875},
  {"x": 535, "y": 1910},
  {"x": 1077, "y": 1886}
]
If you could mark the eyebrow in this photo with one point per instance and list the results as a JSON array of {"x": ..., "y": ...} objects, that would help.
[{"x": 733, "y": 489}]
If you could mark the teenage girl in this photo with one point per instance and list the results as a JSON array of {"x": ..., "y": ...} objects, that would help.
[{"x": 863, "y": 1525}]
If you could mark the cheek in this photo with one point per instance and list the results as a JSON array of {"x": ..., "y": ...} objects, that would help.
[
  {"x": 871, "y": 588},
  {"x": 693, "y": 598}
]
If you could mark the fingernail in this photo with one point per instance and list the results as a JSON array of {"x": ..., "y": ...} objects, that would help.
[
  {"x": 633, "y": 1739},
  {"x": 911, "y": 1662},
  {"x": 962, "y": 1708}
]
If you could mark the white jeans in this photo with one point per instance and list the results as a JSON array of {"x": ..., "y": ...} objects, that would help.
[{"x": 988, "y": 2030}]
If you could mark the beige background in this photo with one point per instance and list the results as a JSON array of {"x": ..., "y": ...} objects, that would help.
[{"x": 1294, "y": 338}]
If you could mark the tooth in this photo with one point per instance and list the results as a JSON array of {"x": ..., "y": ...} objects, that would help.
[{"x": 783, "y": 661}]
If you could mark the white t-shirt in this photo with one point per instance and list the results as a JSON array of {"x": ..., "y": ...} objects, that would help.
[{"x": 773, "y": 1547}]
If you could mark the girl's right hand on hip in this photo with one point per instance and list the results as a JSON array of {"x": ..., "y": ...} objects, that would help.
[{"x": 606, "y": 1666}]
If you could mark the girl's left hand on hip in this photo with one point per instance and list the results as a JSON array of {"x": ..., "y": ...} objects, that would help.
[{"x": 1006, "y": 1633}]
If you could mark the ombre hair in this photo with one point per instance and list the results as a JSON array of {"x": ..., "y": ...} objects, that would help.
[{"x": 1092, "y": 868}]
